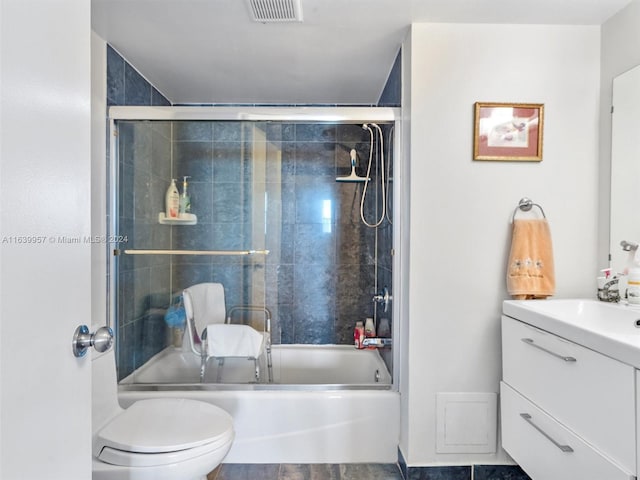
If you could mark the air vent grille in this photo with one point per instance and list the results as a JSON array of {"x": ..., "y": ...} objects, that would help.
[{"x": 276, "y": 10}]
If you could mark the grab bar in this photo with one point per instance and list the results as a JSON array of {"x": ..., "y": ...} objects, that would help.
[
  {"x": 525, "y": 204},
  {"x": 191, "y": 252}
]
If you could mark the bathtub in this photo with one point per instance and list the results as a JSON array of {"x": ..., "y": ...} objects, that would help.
[{"x": 326, "y": 404}]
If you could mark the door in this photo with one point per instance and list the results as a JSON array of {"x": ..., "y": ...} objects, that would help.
[{"x": 45, "y": 275}]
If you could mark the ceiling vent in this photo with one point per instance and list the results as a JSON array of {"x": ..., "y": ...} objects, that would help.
[{"x": 275, "y": 10}]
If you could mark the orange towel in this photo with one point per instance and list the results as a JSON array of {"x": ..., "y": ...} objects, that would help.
[{"x": 530, "y": 271}]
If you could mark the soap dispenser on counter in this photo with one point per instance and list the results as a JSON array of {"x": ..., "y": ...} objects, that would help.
[
  {"x": 629, "y": 286},
  {"x": 633, "y": 286}
]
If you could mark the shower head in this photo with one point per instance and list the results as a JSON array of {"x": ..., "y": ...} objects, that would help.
[{"x": 353, "y": 177}]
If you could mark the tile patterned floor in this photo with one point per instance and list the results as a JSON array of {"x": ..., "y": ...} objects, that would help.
[{"x": 344, "y": 471}]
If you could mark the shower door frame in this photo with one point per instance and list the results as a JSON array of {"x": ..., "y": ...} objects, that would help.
[{"x": 293, "y": 114}]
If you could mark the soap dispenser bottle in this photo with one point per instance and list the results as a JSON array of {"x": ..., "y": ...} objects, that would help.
[
  {"x": 633, "y": 286},
  {"x": 632, "y": 272},
  {"x": 185, "y": 199},
  {"x": 172, "y": 200}
]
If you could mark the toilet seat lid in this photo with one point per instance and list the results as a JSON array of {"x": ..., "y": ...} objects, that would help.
[{"x": 165, "y": 425}]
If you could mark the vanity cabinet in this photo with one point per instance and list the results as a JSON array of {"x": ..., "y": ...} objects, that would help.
[{"x": 567, "y": 412}]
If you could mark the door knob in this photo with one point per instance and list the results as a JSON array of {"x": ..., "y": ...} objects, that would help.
[{"x": 101, "y": 340}]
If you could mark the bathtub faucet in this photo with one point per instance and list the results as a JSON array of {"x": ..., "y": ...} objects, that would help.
[
  {"x": 384, "y": 297},
  {"x": 376, "y": 342}
]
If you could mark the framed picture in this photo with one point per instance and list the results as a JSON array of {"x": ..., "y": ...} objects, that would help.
[{"x": 508, "y": 131}]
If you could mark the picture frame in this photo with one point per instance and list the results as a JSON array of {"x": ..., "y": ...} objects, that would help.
[{"x": 508, "y": 131}]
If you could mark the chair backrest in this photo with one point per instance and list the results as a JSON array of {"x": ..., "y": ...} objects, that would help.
[{"x": 204, "y": 305}]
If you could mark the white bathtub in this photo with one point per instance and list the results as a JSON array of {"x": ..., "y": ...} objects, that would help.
[{"x": 327, "y": 404}]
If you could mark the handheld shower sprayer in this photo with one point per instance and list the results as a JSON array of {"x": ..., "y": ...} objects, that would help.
[
  {"x": 384, "y": 184},
  {"x": 383, "y": 189}
]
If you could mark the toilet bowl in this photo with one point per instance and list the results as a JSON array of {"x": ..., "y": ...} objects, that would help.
[{"x": 154, "y": 439}]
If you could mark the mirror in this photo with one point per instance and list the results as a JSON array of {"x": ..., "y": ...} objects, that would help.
[{"x": 625, "y": 166}]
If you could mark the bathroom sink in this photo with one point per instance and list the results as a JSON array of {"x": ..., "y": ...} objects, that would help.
[{"x": 609, "y": 328}]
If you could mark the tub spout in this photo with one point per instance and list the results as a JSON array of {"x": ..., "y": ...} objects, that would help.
[{"x": 376, "y": 342}]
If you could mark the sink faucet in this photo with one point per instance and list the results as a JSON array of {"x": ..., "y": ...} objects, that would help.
[
  {"x": 629, "y": 246},
  {"x": 609, "y": 291}
]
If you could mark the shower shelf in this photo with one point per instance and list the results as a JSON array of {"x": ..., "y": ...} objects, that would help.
[{"x": 184, "y": 219}]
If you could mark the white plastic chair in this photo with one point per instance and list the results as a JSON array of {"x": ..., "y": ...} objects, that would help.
[{"x": 212, "y": 335}]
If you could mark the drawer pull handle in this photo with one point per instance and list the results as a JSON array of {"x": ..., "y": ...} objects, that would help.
[
  {"x": 564, "y": 448},
  {"x": 529, "y": 341}
]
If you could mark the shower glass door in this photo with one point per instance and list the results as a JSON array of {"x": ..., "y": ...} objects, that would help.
[{"x": 268, "y": 221}]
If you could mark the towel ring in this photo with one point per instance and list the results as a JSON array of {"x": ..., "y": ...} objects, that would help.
[{"x": 525, "y": 204}]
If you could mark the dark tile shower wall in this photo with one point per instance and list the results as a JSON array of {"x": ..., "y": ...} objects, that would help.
[
  {"x": 216, "y": 155},
  {"x": 125, "y": 85},
  {"x": 392, "y": 93},
  {"x": 319, "y": 277},
  {"x": 144, "y": 166}
]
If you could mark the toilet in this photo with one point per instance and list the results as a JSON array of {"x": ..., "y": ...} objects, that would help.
[{"x": 153, "y": 439}]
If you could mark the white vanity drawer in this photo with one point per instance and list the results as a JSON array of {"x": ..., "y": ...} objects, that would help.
[
  {"x": 590, "y": 393},
  {"x": 547, "y": 450}
]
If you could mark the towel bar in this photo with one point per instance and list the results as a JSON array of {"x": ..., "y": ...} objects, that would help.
[
  {"x": 191, "y": 252},
  {"x": 525, "y": 204}
]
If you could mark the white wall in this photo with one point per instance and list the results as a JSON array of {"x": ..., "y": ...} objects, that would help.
[
  {"x": 461, "y": 209},
  {"x": 620, "y": 52}
]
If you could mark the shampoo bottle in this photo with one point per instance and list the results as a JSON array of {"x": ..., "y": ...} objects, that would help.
[
  {"x": 185, "y": 199},
  {"x": 384, "y": 328},
  {"x": 369, "y": 330},
  {"x": 172, "y": 200},
  {"x": 358, "y": 335}
]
